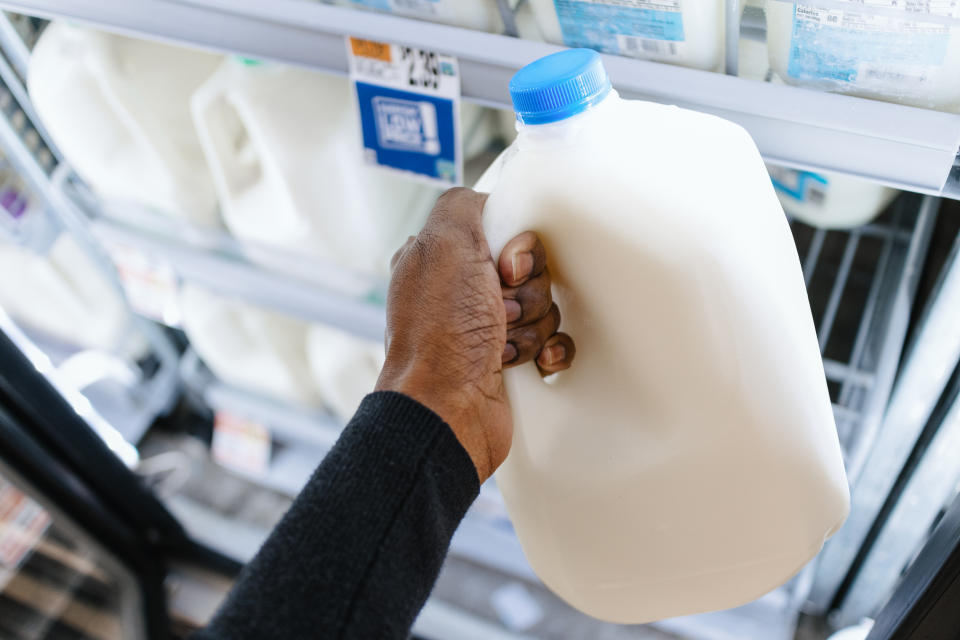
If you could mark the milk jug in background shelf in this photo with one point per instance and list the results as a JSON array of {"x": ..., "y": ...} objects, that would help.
[
  {"x": 829, "y": 200},
  {"x": 480, "y": 15},
  {"x": 284, "y": 147},
  {"x": 119, "y": 109},
  {"x": 683, "y": 32},
  {"x": 61, "y": 294},
  {"x": 249, "y": 347},
  {"x": 689, "y": 460},
  {"x": 900, "y": 52},
  {"x": 345, "y": 368}
]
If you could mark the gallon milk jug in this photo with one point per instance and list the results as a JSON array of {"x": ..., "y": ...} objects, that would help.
[
  {"x": 284, "y": 147},
  {"x": 480, "y": 15},
  {"x": 119, "y": 109},
  {"x": 61, "y": 294},
  {"x": 829, "y": 200},
  {"x": 688, "y": 461},
  {"x": 684, "y": 32},
  {"x": 345, "y": 368},
  {"x": 907, "y": 53},
  {"x": 249, "y": 347}
]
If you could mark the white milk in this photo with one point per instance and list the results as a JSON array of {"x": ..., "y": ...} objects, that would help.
[
  {"x": 688, "y": 461},
  {"x": 345, "y": 368},
  {"x": 249, "y": 347},
  {"x": 61, "y": 294},
  {"x": 684, "y": 32},
  {"x": 829, "y": 200},
  {"x": 901, "y": 52},
  {"x": 119, "y": 109},
  {"x": 284, "y": 147},
  {"x": 481, "y": 15}
]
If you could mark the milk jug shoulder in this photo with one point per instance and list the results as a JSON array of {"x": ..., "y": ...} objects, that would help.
[
  {"x": 287, "y": 141},
  {"x": 119, "y": 109},
  {"x": 689, "y": 460},
  {"x": 249, "y": 347}
]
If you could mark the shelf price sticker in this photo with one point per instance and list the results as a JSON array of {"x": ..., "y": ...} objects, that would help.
[
  {"x": 240, "y": 444},
  {"x": 150, "y": 282},
  {"x": 22, "y": 524},
  {"x": 408, "y": 100}
]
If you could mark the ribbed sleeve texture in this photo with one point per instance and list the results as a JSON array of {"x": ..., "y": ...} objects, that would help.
[{"x": 361, "y": 547}]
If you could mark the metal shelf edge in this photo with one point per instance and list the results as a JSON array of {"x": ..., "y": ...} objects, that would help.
[{"x": 905, "y": 147}]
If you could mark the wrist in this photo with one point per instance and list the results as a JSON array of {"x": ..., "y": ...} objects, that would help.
[{"x": 452, "y": 405}]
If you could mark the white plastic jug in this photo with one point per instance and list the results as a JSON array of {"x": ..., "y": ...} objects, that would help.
[
  {"x": 249, "y": 347},
  {"x": 284, "y": 147},
  {"x": 480, "y": 15},
  {"x": 688, "y": 461},
  {"x": 684, "y": 32},
  {"x": 345, "y": 368},
  {"x": 905, "y": 52},
  {"x": 829, "y": 200},
  {"x": 119, "y": 109},
  {"x": 61, "y": 294}
]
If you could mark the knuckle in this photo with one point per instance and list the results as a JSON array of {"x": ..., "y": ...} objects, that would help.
[{"x": 452, "y": 196}]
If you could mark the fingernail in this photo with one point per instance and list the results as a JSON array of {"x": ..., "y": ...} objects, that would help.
[
  {"x": 509, "y": 352},
  {"x": 514, "y": 311},
  {"x": 552, "y": 355},
  {"x": 522, "y": 265}
]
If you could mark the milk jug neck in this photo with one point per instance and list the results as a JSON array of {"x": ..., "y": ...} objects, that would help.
[{"x": 559, "y": 86}]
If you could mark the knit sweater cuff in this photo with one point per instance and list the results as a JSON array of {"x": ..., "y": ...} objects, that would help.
[{"x": 421, "y": 430}]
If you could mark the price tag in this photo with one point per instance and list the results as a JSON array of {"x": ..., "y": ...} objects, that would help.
[
  {"x": 239, "y": 444},
  {"x": 150, "y": 283},
  {"x": 22, "y": 524},
  {"x": 409, "y": 107}
]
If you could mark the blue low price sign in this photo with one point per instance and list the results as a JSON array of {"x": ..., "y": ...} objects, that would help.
[{"x": 408, "y": 101}]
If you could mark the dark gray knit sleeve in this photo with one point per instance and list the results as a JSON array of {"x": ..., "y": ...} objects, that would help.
[{"x": 360, "y": 548}]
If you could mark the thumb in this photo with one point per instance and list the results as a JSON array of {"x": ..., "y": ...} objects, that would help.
[{"x": 461, "y": 208}]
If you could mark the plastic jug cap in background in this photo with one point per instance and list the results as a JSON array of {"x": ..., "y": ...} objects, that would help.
[{"x": 558, "y": 86}]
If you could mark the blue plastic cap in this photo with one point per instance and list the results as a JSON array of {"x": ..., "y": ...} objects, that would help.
[{"x": 558, "y": 86}]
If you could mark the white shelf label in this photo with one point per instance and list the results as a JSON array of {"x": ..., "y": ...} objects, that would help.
[
  {"x": 408, "y": 100},
  {"x": 149, "y": 282},
  {"x": 22, "y": 523},
  {"x": 240, "y": 444}
]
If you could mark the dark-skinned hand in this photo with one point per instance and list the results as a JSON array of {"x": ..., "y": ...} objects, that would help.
[{"x": 456, "y": 319}]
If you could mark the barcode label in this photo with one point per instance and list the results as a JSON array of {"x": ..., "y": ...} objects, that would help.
[
  {"x": 890, "y": 74},
  {"x": 648, "y": 47},
  {"x": 424, "y": 8}
]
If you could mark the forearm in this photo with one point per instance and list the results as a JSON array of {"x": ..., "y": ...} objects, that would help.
[{"x": 358, "y": 552}]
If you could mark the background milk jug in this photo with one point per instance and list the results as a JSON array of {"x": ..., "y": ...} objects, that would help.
[
  {"x": 119, "y": 109},
  {"x": 829, "y": 200},
  {"x": 684, "y": 32},
  {"x": 249, "y": 347},
  {"x": 906, "y": 52},
  {"x": 345, "y": 368},
  {"x": 284, "y": 147},
  {"x": 481, "y": 15},
  {"x": 688, "y": 461},
  {"x": 61, "y": 294}
]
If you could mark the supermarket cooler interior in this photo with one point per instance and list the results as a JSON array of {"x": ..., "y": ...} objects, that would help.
[{"x": 747, "y": 221}]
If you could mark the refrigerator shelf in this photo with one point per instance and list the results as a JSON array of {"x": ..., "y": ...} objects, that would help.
[{"x": 905, "y": 147}]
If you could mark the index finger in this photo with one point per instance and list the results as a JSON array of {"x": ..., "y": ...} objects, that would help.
[{"x": 523, "y": 258}]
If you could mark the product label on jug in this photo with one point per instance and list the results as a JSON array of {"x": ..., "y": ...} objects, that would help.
[
  {"x": 409, "y": 109},
  {"x": 802, "y": 186},
  {"x": 639, "y": 28},
  {"x": 428, "y": 9},
  {"x": 854, "y": 46}
]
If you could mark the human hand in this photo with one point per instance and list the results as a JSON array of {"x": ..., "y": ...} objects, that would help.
[{"x": 456, "y": 319}]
